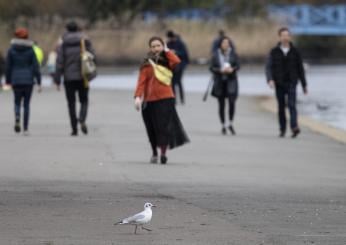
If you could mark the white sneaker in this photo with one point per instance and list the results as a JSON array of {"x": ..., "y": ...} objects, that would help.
[
  {"x": 26, "y": 133},
  {"x": 154, "y": 159}
]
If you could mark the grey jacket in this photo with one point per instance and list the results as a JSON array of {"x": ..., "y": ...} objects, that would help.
[{"x": 68, "y": 62}]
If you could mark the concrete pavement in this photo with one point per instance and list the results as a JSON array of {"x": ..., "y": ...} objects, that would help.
[{"x": 250, "y": 189}]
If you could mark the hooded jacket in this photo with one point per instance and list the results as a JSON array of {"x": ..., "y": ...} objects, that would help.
[
  {"x": 68, "y": 62},
  {"x": 22, "y": 67}
]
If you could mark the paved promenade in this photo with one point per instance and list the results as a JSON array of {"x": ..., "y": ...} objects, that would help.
[{"x": 250, "y": 189}]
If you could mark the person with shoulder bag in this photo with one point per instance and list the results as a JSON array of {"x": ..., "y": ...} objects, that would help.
[
  {"x": 76, "y": 64},
  {"x": 154, "y": 96}
]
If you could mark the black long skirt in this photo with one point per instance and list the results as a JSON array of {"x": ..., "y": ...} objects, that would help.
[{"x": 162, "y": 124}]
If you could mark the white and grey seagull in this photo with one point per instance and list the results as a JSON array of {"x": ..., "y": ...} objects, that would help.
[{"x": 139, "y": 219}]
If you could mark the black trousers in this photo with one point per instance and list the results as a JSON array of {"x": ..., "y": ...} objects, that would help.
[
  {"x": 287, "y": 96},
  {"x": 177, "y": 83},
  {"x": 22, "y": 93},
  {"x": 72, "y": 88},
  {"x": 231, "y": 107}
]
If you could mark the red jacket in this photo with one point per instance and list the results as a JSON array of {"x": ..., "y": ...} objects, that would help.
[{"x": 149, "y": 87}]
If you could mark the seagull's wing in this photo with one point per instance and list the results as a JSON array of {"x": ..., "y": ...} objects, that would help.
[{"x": 135, "y": 218}]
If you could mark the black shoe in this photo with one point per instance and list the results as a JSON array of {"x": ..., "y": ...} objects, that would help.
[
  {"x": 163, "y": 159},
  {"x": 282, "y": 134},
  {"x": 295, "y": 132},
  {"x": 224, "y": 131},
  {"x": 84, "y": 128},
  {"x": 17, "y": 128},
  {"x": 74, "y": 133},
  {"x": 231, "y": 129}
]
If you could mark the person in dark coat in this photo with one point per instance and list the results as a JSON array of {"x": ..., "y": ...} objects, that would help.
[
  {"x": 284, "y": 69},
  {"x": 68, "y": 66},
  {"x": 224, "y": 67},
  {"x": 176, "y": 44},
  {"x": 22, "y": 72}
]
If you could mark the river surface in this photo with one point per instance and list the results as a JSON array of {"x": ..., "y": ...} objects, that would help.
[{"x": 326, "y": 101}]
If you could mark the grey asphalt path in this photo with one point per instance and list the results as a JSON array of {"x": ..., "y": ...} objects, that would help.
[{"x": 250, "y": 189}]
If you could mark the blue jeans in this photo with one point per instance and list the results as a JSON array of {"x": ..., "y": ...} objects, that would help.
[
  {"x": 287, "y": 94},
  {"x": 22, "y": 93}
]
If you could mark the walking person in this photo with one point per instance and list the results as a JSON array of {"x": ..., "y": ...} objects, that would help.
[
  {"x": 51, "y": 61},
  {"x": 51, "y": 64},
  {"x": 2, "y": 68},
  {"x": 154, "y": 95},
  {"x": 176, "y": 44},
  {"x": 22, "y": 72},
  {"x": 224, "y": 67},
  {"x": 69, "y": 66},
  {"x": 284, "y": 69}
]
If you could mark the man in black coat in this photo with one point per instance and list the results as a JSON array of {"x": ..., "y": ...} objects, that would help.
[
  {"x": 178, "y": 46},
  {"x": 284, "y": 69}
]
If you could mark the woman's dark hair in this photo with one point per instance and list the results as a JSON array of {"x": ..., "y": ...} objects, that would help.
[
  {"x": 155, "y": 38},
  {"x": 160, "y": 59},
  {"x": 225, "y": 38},
  {"x": 170, "y": 34},
  {"x": 72, "y": 26}
]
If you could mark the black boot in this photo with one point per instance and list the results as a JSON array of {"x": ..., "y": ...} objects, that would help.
[
  {"x": 17, "y": 128},
  {"x": 295, "y": 132},
  {"x": 163, "y": 159},
  {"x": 74, "y": 132},
  {"x": 282, "y": 134},
  {"x": 84, "y": 128},
  {"x": 231, "y": 129}
]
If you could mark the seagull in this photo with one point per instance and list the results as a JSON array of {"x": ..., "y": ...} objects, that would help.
[
  {"x": 322, "y": 106},
  {"x": 139, "y": 219}
]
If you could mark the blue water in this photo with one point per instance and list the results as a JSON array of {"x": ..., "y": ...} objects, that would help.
[{"x": 326, "y": 101}]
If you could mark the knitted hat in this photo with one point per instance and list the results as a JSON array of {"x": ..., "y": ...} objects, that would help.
[{"x": 21, "y": 33}]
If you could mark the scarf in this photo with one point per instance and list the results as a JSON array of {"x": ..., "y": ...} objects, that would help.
[{"x": 224, "y": 60}]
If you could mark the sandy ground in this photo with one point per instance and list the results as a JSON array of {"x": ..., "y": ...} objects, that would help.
[{"x": 250, "y": 189}]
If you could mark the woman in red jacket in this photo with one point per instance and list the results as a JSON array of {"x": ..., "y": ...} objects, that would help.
[{"x": 155, "y": 97}]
